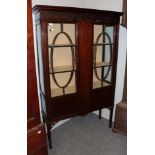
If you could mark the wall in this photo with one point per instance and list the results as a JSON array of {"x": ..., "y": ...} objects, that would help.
[
  {"x": 114, "y": 5},
  {"x": 72, "y": 3}
]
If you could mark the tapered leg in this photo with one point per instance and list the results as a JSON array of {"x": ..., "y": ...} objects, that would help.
[
  {"x": 49, "y": 135},
  {"x": 110, "y": 117},
  {"x": 43, "y": 120},
  {"x": 100, "y": 113}
]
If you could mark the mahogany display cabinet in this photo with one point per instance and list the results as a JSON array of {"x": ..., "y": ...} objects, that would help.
[{"x": 77, "y": 60}]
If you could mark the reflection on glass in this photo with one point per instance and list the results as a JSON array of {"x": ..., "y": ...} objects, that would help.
[
  {"x": 40, "y": 59},
  {"x": 102, "y": 55}
]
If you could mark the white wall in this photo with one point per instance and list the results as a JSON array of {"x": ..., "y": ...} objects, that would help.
[
  {"x": 113, "y": 5},
  {"x": 71, "y": 3}
]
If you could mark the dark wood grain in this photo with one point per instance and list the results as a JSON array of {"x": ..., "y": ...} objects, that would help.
[
  {"x": 76, "y": 10},
  {"x": 36, "y": 139},
  {"x": 32, "y": 94},
  {"x": 68, "y": 104},
  {"x": 101, "y": 98},
  {"x": 71, "y": 14},
  {"x": 85, "y": 30}
]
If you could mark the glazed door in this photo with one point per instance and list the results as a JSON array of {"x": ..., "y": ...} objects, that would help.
[
  {"x": 63, "y": 69},
  {"x": 103, "y": 65}
]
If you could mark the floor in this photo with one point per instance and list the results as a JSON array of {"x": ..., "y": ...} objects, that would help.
[{"x": 87, "y": 136}]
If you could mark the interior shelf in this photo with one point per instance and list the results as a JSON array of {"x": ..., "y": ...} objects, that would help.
[
  {"x": 101, "y": 64},
  {"x": 62, "y": 69},
  {"x": 97, "y": 84},
  {"x": 59, "y": 92},
  {"x": 101, "y": 44},
  {"x": 62, "y": 45}
]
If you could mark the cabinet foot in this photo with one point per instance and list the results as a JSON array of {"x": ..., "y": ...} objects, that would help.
[
  {"x": 49, "y": 135},
  {"x": 110, "y": 117}
]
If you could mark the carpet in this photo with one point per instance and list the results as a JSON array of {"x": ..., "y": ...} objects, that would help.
[{"x": 87, "y": 136}]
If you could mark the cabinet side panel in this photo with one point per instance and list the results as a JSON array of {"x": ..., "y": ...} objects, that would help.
[
  {"x": 116, "y": 37},
  {"x": 40, "y": 67},
  {"x": 44, "y": 43}
]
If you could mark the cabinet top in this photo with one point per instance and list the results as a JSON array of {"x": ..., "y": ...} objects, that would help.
[
  {"x": 71, "y": 14},
  {"x": 38, "y": 8}
]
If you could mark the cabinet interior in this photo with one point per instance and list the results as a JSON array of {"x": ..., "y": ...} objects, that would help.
[
  {"x": 62, "y": 43},
  {"x": 62, "y": 58},
  {"x": 102, "y": 56}
]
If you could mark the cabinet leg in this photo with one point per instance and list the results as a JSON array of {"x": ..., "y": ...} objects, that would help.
[
  {"x": 43, "y": 120},
  {"x": 110, "y": 117},
  {"x": 49, "y": 135},
  {"x": 100, "y": 114}
]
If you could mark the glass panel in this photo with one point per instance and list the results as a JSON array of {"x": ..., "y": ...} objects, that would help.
[
  {"x": 54, "y": 29},
  {"x": 58, "y": 54},
  {"x": 62, "y": 58},
  {"x": 110, "y": 31},
  {"x": 102, "y": 57},
  {"x": 62, "y": 78},
  {"x": 70, "y": 30},
  {"x": 99, "y": 29}
]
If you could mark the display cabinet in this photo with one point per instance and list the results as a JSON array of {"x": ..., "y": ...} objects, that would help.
[{"x": 77, "y": 58}]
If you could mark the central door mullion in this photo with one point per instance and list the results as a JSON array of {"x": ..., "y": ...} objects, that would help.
[{"x": 85, "y": 39}]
